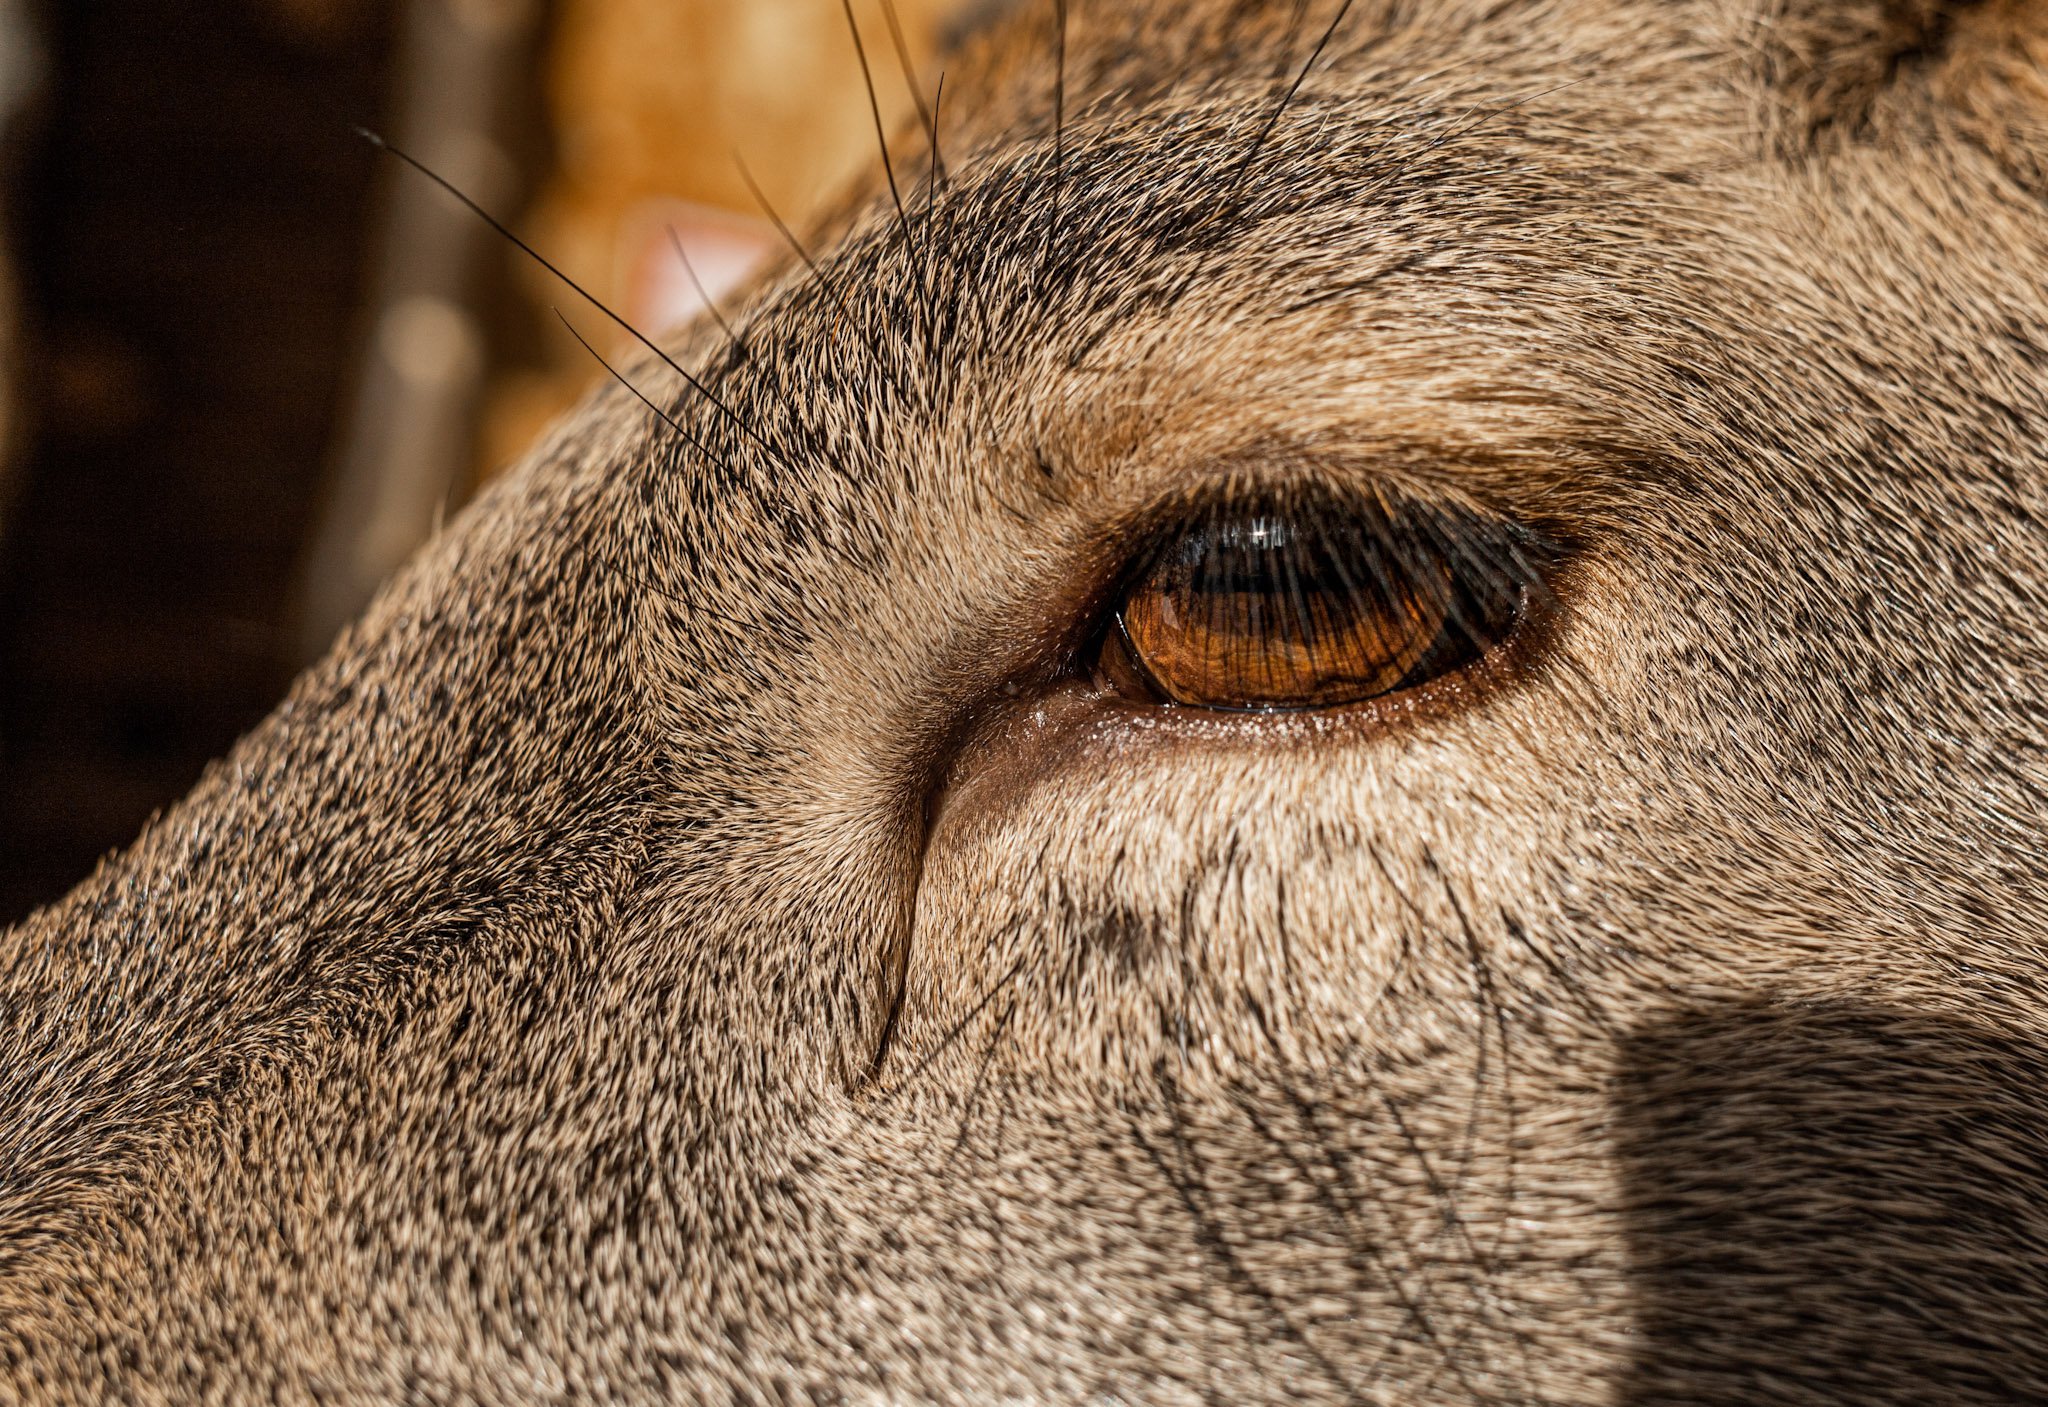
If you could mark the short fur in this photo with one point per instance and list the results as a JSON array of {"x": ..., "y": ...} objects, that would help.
[{"x": 696, "y": 940}]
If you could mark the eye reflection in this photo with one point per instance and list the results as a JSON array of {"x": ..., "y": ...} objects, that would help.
[{"x": 1312, "y": 607}]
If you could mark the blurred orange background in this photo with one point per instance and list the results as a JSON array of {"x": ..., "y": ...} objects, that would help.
[{"x": 652, "y": 99}]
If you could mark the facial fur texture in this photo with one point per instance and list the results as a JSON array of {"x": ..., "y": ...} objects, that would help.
[{"x": 695, "y": 941}]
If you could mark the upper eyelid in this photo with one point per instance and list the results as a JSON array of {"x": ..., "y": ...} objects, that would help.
[
  {"x": 1484, "y": 479},
  {"x": 1171, "y": 518},
  {"x": 1566, "y": 481}
]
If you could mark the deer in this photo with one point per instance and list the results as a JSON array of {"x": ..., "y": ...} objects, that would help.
[{"x": 1333, "y": 701}]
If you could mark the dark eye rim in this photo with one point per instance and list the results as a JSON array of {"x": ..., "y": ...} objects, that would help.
[{"x": 1534, "y": 556}]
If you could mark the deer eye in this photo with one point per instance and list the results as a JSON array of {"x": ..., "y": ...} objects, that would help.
[{"x": 1310, "y": 606}]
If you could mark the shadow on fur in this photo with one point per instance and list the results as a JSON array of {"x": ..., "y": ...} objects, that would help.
[{"x": 1835, "y": 1203}]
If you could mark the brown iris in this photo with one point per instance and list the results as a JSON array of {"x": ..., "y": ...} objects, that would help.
[{"x": 1308, "y": 608}]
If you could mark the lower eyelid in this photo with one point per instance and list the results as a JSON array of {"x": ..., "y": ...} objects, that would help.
[
  {"x": 1081, "y": 723},
  {"x": 1084, "y": 723}
]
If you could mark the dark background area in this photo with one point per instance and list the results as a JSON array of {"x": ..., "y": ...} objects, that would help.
[
  {"x": 191, "y": 214},
  {"x": 257, "y": 360}
]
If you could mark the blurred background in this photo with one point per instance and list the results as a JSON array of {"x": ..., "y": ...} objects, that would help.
[{"x": 248, "y": 362}]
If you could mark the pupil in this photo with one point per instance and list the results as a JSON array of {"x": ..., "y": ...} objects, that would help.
[{"x": 1335, "y": 575}]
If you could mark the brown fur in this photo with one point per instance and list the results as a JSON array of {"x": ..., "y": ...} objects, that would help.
[{"x": 696, "y": 941}]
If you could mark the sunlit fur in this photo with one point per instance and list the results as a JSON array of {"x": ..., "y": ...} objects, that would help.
[{"x": 697, "y": 942}]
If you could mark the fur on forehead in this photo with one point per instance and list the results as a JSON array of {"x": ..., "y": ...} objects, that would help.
[
  {"x": 1897, "y": 70},
  {"x": 1830, "y": 63}
]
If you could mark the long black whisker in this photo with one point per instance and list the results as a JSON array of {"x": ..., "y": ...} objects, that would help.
[
  {"x": 1059, "y": 130},
  {"x": 1235, "y": 182},
  {"x": 620, "y": 377},
  {"x": 1184, "y": 1175},
  {"x": 1405, "y": 953},
  {"x": 1481, "y": 1065},
  {"x": 1335, "y": 1192},
  {"x": 1340, "y": 1198},
  {"x": 635, "y": 580},
  {"x": 818, "y": 274},
  {"x": 534, "y": 254},
  {"x": 1483, "y": 113},
  {"x": 980, "y": 1080},
  {"x": 1293, "y": 90},
  {"x": 927, "y": 117},
  {"x": 933, "y": 339},
  {"x": 1491, "y": 1001},
  {"x": 1446, "y": 1194},
  {"x": 938, "y": 167},
  {"x": 625, "y": 571},
  {"x": 860, "y": 51},
  {"x": 953, "y": 1032}
]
